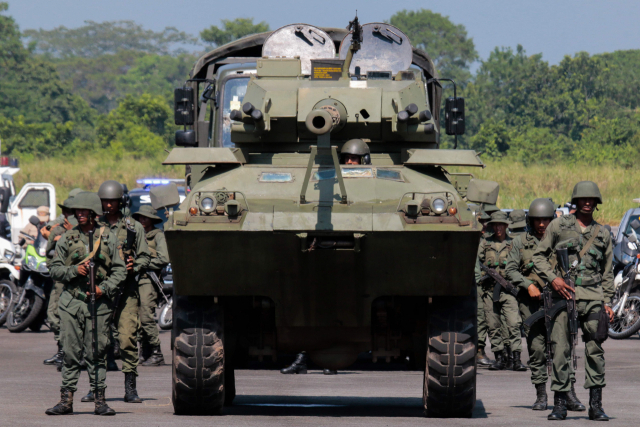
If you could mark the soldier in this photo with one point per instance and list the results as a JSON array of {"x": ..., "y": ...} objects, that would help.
[
  {"x": 67, "y": 223},
  {"x": 520, "y": 272},
  {"x": 493, "y": 253},
  {"x": 137, "y": 259},
  {"x": 70, "y": 266},
  {"x": 355, "y": 152},
  {"x": 147, "y": 216},
  {"x": 518, "y": 224},
  {"x": 482, "y": 357},
  {"x": 590, "y": 249}
]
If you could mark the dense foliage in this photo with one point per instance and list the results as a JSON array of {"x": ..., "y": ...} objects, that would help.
[{"x": 108, "y": 86}]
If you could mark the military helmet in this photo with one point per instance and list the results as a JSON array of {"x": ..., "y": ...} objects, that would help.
[
  {"x": 75, "y": 191},
  {"x": 66, "y": 204},
  {"x": 499, "y": 217},
  {"x": 586, "y": 189},
  {"x": 542, "y": 208},
  {"x": 110, "y": 190},
  {"x": 489, "y": 209},
  {"x": 356, "y": 147},
  {"x": 149, "y": 212},
  {"x": 87, "y": 200},
  {"x": 518, "y": 218}
]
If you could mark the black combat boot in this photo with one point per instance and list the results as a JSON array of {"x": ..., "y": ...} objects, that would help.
[
  {"x": 508, "y": 358},
  {"x": 156, "y": 358},
  {"x": 517, "y": 363},
  {"x": 541, "y": 398},
  {"x": 57, "y": 358},
  {"x": 299, "y": 366},
  {"x": 596, "y": 413},
  {"x": 330, "y": 371},
  {"x": 482, "y": 358},
  {"x": 500, "y": 363},
  {"x": 130, "y": 392},
  {"x": 87, "y": 397},
  {"x": 65, "y": 406},
  {"x": 101, "y": 405},
  {"x": 573, "y": 404},
  {"x": 559, "y": 412}
]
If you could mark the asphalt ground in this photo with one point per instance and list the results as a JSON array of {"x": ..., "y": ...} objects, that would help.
[{"x": 265, "y": 397}]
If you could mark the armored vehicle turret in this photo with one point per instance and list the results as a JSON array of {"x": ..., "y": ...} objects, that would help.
[{"x": 280, "y": 246}]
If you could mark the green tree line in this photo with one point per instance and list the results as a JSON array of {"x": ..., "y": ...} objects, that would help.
[{"x": 109, "y": 86}]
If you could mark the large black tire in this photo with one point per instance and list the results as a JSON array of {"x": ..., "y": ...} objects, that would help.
[
  {"x": 7, "y": 296},
  {"x": 20, "y": 323},
  {"x": 450, "y": 374},
  {"x": 198, "y": 357},
  {"x": 629, "y": 324}
]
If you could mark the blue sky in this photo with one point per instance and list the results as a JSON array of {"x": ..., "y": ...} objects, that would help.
[{"x": 555, "y": 28}]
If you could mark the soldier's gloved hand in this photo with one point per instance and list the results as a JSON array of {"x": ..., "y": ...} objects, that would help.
[
  {"x": 129, "y": 263},
  {"x": 609, "y": 312},
  {"x": 561, "y": 287},
  {"x": 83, "y": 269},
  {"x": 534, "y": 292},
  {"x": 99, "y": 293}
]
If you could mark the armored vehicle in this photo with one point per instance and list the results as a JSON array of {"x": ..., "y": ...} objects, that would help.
[{"x": 279, "y": 247}]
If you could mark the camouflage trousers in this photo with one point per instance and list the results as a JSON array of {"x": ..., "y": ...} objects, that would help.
[
  {"x": 52, "y": 310},
  {"x": 506, "y": 307},
  {"x": 77, "y": 337},
  {"x": 127, "y": 322},
  {"x": 148, "y": 304},
  {"x": 482, "y": 322},
  {"x": 561, "y": 345},
  {"x": 536, "y": 340}
]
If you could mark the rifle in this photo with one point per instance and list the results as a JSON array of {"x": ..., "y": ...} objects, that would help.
[
  {"x": 501, "y": 283},
  {"x": 126, "y": 249},
  {"x": 156, "y": 281},
  {"x": 93, "y": 311},
  {"x": 572, "y": 312}
]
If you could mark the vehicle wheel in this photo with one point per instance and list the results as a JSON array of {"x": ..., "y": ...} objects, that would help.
[
  {"x": 165, "y": 318},
  {"x": 450, "y": 375},
  {"x": 7, "y": 294},
  {"x": 198, "y": 357},
  {"x": 20, "y": 317},
  {"x": 629, "y": 323}
]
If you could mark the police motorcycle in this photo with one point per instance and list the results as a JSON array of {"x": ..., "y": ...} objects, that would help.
[
  {"x": 9, "y": 276},
  {"x": 626, "y": 300},
  {"x": 29, "y": 307},
  {"x": 165, "y": 306}
]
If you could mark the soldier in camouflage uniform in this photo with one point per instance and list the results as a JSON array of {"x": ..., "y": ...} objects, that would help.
[
  {"x": 482, "y": 357},
  {"x": 63, "y": 223},
  {"x": 70, "y": 266},
  {"x": 147, "y": 216},
  {"x": 590, "y": 249},
  {"x": 518, "y": 224},
  {"x": 127, "y": 317},
  {"x": 520, "y": 273},
  {"x": 493, "y": 253}
]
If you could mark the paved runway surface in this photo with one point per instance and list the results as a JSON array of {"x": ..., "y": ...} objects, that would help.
[{"x": 352, "y": 398}]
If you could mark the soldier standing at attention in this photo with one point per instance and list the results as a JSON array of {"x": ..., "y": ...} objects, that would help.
[
  {"x": 493, "y": 254},
  {"x": 147, "y": 216},
  {"x": 482, "y": 357},
  {"x": 137, "y": 258},
  {"x": 590, "y": 249},
  {"x": 520, "y": 272},
  {"x": 70, "y": 266},
  {"x": 67, "y": 222}
]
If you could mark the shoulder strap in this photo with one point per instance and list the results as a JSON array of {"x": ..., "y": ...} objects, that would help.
[
  {"x": 586, "y": 247},
  {"x": 96, "y": 246}
]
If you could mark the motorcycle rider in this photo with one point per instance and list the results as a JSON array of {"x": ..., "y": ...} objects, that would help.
[
  {"x": 147, "y": 216},
  {"x": 591, "y": 253},
  {"x": 520, "y": 272},
  {"x": 70, "y": 266}
]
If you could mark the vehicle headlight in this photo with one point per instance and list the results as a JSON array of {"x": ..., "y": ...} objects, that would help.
[
  {"x": 626, "y": 259},
  {"x": 9, "y": 255},
  {"x": 207, "y": 205},
  {"x": 42, "y": 268},
  {"x": 438, "y": 206},
  {"x": 32, "y": 262}
]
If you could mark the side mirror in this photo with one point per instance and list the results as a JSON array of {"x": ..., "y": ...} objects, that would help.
[
  {"x": 183, "y": 106},
  {"x": 186, "y": 138},
  {"x": 482, "y": 191},
  {"x": 5, "y": 196},
  {"x": 635, "y": 224},
  {"x": 164, "y": 196},
  {"x": 454, "y": 116}
]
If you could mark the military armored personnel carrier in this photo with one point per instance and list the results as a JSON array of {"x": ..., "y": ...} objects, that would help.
[{"x": 279, "y": 248}]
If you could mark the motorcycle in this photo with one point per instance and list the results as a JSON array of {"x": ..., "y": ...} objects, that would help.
[
  {"x": 29, "y": 309},
  {"x": 165, "y": 307},
  {"x": 626, "y": 300},
  {"x": 9, "y": 276}
]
